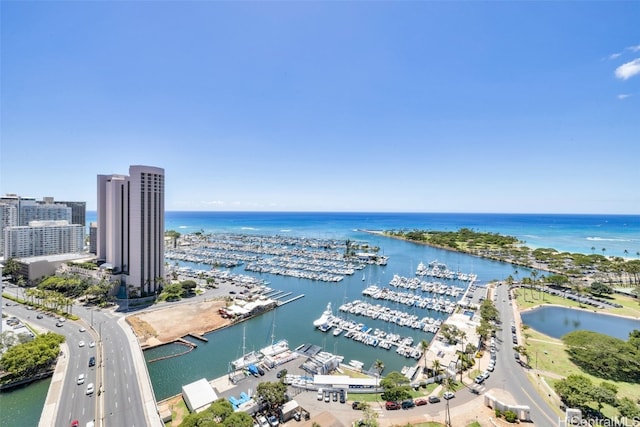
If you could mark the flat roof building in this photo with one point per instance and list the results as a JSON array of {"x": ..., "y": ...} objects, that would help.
[{"x": 130, "y": 234}]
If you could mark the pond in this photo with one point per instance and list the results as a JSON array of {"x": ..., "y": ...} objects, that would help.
[{"x": 558, "y": 321}]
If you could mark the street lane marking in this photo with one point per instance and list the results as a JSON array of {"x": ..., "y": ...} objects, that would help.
[{"x": 539, "y": 407}]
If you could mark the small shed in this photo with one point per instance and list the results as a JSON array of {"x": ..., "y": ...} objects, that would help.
[{"x": 198, "y": 395}]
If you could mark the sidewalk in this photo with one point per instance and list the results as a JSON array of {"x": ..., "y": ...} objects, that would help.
[{"x": 50, "y": 410}]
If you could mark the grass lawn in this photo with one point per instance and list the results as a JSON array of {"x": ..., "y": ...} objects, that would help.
[
  {"x": 553, "y": 358},
  {"x": 630, "y": 306}
]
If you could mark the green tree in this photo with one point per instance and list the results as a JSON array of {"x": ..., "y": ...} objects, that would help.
[
  {"x": 604, "y": 393},
  {"x": 273, "y": 393},
  {"x": 574, "y": 390},
  {"x": 11, "y": 267},
  {"x": 598, "y": 288},
  {"x": 238, "y": 419},
  {"x": 396, "y": 386},
  {"x": 628, "y": 408}
]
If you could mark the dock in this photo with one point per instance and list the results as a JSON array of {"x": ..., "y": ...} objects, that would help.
[{"x": 280, "y": 303}]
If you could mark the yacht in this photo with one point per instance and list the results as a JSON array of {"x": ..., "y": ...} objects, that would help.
[{"x": 325, "y": 319}]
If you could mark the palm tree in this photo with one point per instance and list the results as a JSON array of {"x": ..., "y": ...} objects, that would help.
[
  {"x": 534, "y": 276},
  {"x": 436, "y": 367},
  {"x": 379, "y": 366},
  {"x": 424, "y": 345}
]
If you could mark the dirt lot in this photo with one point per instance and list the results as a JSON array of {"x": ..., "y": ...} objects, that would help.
[{"x": 166, "y": 325}]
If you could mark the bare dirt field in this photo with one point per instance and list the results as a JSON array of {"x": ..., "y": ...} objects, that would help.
[{"x": 165, "y": 325}]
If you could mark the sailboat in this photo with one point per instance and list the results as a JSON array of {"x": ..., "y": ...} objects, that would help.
[
  {"x": 276, "y": 347},
  {"x": 247, "y": 358}
]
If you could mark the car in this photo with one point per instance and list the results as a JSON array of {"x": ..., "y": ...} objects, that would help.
[
  {"x": 335, "y": 396},
  {"x": 320, "y": 394},
  {"x": 327, "y": 396},
  {"x": 75, "y": 423},
  {"x": 92, "y": 344},
  {"x": 260, "y": 371},
  {"x": 420, "y": 402},
  {"x": 391, "y": 406},
  {"x": 80, "y": 379},
  {"x": 61, "y": 319},
  {"x": 490, "y": 368},
  {"x": 516, "y": 355},
  {"x": 281, "y": 373},
  {"x": 39, "y": 316},
  {"x": 92, "y": 361},
  {"x": 407, "y": 404},
  {"x": 356, "y": 405},
  {"x": 59, "y": 324},
  {"x": 486, "y": 375},
  {"x": 448, "y": 395},
  {"x": 479, "y": 379},
  {"x": 342, "y": 398},
  {"x": 262, "y": 421},
  {"x": 434, "y": 399},
  {"x": 83, "y": 329},
  {"x": 90, "y": 389},
  {"x": 81, "y": 344},
  {"x": 273, "y": 421}
]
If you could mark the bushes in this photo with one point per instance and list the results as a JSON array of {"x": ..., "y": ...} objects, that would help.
[{"x": 509, "y": 416}]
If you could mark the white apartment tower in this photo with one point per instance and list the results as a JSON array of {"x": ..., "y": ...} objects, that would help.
[{"x": 130, "y": 235}]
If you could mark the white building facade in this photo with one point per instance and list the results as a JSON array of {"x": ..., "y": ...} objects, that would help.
[
  {"x": 130, "y": 233},
  {"x": 43, "y": 238}
]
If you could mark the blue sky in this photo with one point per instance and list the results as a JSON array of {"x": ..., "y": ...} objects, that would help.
[{"x": 327, "y": 106}]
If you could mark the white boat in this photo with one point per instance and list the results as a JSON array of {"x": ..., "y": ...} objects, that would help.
[
  {"x": 327, "y": 316},
  {"x": 337, "y": 331}
]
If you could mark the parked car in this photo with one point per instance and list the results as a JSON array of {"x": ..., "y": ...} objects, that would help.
[
  {"x": 420, "y": 402},
  {"x": 273, "y": 421},
  {"x": 448, "y": 395},
  {"x": 490, "y": 368},
  {"x": 327, "y": 398},
  {"x": 356, "y": 405},
  {"x": 320, "y": 394},
  {"x": 434, "y": 399},
  {"x": 391, "y": 406},
  {"x": 262, "y": 421},
  {"x": 39, "y": 316},
  {"x": 407, "y": 404}
]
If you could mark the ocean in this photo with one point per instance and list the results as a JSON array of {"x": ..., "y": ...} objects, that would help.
[
  {"x": 293, "y": 322},
  {"x": 612, "y": 235}
]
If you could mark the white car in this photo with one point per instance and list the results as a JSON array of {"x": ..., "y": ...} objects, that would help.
[
  {"x": 262, "y": 421},
  {"x": 448, "y": 395},
  {"x": 80, "y": 379},
  {"x": 92, "y": 344},
  {"x": 83, "y": 329},
  {"x": 90, "y": 389},
  {"x": 81, "y": 344}
]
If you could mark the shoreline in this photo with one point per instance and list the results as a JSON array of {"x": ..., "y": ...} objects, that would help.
[{"x": 542, "y": 305}]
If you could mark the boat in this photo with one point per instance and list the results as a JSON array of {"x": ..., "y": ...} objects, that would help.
[
  {"x": 363, "y": 277},
  {"x": 337, "y": 331},
  {"x": 325, "y": 319}
]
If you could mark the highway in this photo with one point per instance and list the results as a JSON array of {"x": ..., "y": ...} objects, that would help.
[{"x": 117, "y": 398}]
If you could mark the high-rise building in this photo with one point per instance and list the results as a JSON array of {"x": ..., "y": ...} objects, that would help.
[
  {"x": 8, "y": 218},
  {"x": 78, "y": 209},
  {"x": 130, "y": 235},
  {"x": 43, "y": 238}
]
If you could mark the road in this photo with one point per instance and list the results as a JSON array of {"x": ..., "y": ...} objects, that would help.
[
  {"x": 117, "y": 399},
  {"x": 509, "y": 375}
]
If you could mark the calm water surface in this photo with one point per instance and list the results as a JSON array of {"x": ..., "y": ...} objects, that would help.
[{"x": 558, "y": 321}]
